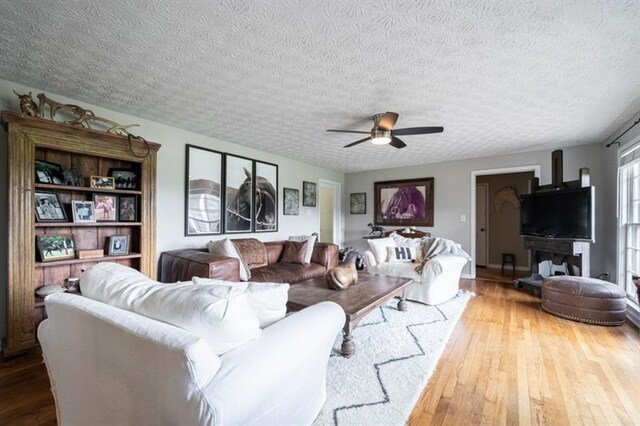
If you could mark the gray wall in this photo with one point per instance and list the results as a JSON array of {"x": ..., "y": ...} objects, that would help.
[{"x": 453, "y": 193}]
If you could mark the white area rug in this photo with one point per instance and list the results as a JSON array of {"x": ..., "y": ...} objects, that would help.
[{"x": 396, "y": 353}]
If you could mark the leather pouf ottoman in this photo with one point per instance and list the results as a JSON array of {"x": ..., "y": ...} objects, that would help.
[{"x": 584, "y": 299}]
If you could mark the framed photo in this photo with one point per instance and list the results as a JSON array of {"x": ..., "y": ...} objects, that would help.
[
  {"x": 49, "y": 208},
  {"x": 127, "y": 208},
  {"x": 118, "y": 245},
  {"x": 83, "y": 211},
  {"x": 203, "y": 198},
  {"x": 106, "y": 207},
  {"x": 309, "y": 190},
  {"x": 238, "y": 215},
  {"x": 102, "y": 182},
  {"x": 266, "y": 197},
  {"x": 404, "y": 202},
  {"x": 358, "y": 203},
  {"x": 124, "y": 178},
  {"x": 55, "y": 247},
  {"x": 291, "y": 205},
  {"x": 47, "y": 172}
]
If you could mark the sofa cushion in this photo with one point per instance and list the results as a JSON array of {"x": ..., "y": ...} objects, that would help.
[
  {"x": 222, "y": 316},
  {"x": 225, "y": 247},
  {"x": 401, "y": 254},
  {"x": 252, "y": 251},
  {"x": 288, "y": 272},
  {"x": 268, "y": 300},
  {"x": 311, "y": 240},
  {"x": 294, "y": 252},
  {"x": 379, "y": 247}
]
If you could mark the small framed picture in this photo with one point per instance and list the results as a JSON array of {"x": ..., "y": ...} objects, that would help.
[
  {"x": 358, "y": 203},
  {"x": 291, "y": 201},
  {"x": 83, "y": 211},
  {"x": 49, "y": 208},
  {"x": 47, "y": 172},
  {"x": 102, "y": 182},
  {"x": 118, "y": 245},
  {"x": 308, "y": 194},
  {"x": 127, "y": 208},
  {"x": 106, "y": 207},
  {"x": 124, "y": 178},
  {"x": 55, "y": 247}
]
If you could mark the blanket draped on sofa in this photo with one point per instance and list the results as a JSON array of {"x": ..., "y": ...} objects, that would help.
[{"x": 434, "y": 246}]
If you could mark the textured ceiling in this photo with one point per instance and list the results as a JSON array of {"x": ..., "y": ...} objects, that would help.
[{"x": 500, "y": 76}]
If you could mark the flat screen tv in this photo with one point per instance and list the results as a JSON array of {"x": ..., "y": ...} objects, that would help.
[{"x": 563, "y": 214}]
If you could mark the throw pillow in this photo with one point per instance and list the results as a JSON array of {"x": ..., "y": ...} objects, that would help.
[
  {"x": 251, "y": 251},
  {"x": 293, "y": 252},
  {"x": 268, "y": 300},
  {"x": 379, "y": 247},
  {"x": 401, "y": 254},
  {"x": 414, "y": 243},
  {"x": 311, "y": 241},
  {"x": 226, "y": 248}
]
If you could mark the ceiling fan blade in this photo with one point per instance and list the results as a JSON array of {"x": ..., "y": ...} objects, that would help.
[
  {"x": 388, "y": 120},
  {"x": 417, "y": 130},
  {"x": 349, "y": 131},
  {"x": 357, "y": 142},
  {"x": 397, "y": 143}
]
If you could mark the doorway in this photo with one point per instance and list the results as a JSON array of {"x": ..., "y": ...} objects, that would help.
[
  {"x": 329, "y": 211},
  {"x": 482, "y": 222}
]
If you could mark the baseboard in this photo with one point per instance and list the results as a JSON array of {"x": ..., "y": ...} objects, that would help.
[
  {"x": 507, "y": 267},
  {"x": 467, "y": 276},
  {"x": 633, "y": 315}
]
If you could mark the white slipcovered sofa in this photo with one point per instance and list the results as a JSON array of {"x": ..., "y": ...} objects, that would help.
[
  {"x": 439, "y": 280},
  {"x": 113, "y": 366}
]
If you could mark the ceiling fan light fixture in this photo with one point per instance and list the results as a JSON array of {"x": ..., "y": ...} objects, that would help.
[{"x": 380, "y": 137}]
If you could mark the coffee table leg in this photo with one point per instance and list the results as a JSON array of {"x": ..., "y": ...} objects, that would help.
[
  {"x": 402, "y": 304},
  {"x": 348, "y": 347}
]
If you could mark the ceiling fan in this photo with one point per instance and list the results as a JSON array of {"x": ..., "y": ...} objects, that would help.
[{"x": 382, "y": 132}]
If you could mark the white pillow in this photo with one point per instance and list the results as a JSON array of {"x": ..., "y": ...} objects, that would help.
[
  {"x": 415, "y": 243},
  {"x": 311, "y": 240},
  {"x": 401, "y": 254},
  {"x": 226, "y": 248},
  {"x": 268, "y": 300},
  {"x": 379, "y": 247}
]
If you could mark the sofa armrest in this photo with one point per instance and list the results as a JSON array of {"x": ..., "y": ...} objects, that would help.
[
  {"x": 369, "y": 260},
  {"x": 325, "y": 254},
  {"x": 182, "y": 265}
]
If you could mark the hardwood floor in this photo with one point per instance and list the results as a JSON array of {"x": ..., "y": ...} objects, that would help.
[{"x": 507, "y": 362}]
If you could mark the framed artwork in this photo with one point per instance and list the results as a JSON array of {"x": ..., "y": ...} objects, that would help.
[
  {"x": 203, "y": 197},
  {"x": 266, "y": 197},
  {"x": 55, "y": 247},
  {"x": 118, "y": 245},
  {"x": 83, "y": 211},
  {"x": 358, "y": 203},
  {"x": 124, "y": 178},
  {"x": 309, "y": 190},
  {"x": 106, "y": 207},
  {"x": 404, "y": 202},
  {"x": 47, "y": 172},
  {"x": 238, "y": 199},
  {"x": 127, "y": 208},
  {"x": 291, "y": 205},
  {"x": 49, "y": 208},
  {"x": 102, "y": 182}
]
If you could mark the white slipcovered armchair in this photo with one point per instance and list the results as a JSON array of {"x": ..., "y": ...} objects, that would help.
[{"x": 439, "y": 280}]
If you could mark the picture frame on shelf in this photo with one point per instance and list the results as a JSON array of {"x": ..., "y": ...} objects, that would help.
[
  {"x": 291, "y": 201},
  {"x": 47, "y": 172},
  {"x": 239, "y": 198},
  {"x": 358, "y": 203},
  {"x": 118, "y": 245},
  {"x": 83, "y": 211},
  {"x": 125, "y": 178},
  {"x": 127, "y": 208},
  {"x": 106, "y": 207},
  {"x": 203, "y": 192},
  {"x": 49, "y": 207},
  {"x": 102, "y": 182},
  {"x": 309, "y": 194},
  {"x": 266, "y": 197},
  {"x": 407, "y": 202},
  {"x": 55, "y": 247}
]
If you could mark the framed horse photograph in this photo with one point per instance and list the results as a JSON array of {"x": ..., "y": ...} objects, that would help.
[
  {"x": 238, "y": 215},
  {"x": 406, "y": 202},
  {"x": 203, "y": 204},
  {"x": 266, "y": 197}
]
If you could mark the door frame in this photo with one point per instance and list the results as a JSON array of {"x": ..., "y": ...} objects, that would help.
[
  {"x": 337, "y": 209},
  {"x": 535, "y": 168},
  {"x": 486, "y": 221}
]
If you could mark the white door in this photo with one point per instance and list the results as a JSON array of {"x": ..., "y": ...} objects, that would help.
[
  {"x": 326, "y": 210},
  {"x": 482, "y": 202}
]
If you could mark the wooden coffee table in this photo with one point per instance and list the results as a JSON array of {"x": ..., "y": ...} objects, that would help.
[{"x": 357, "y": 301}]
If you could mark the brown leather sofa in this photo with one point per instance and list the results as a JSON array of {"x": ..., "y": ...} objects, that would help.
[{"x": 183, "y": 264}]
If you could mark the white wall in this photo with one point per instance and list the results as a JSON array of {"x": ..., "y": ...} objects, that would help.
[
  {"x": 452, "y": 196},
  {"x": 171, "y": 175}
]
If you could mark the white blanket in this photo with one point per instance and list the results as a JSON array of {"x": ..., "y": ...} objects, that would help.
[{"x": 432, "y": 247}]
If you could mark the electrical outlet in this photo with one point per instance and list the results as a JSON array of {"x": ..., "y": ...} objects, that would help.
[{"x": 463, "y": 218}]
